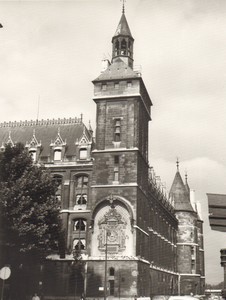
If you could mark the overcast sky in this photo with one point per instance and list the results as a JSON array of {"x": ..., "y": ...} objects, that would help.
[{"x": 52, "y": 50}]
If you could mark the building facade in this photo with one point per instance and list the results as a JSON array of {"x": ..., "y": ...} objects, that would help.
[{"x": 125, "y": 238}]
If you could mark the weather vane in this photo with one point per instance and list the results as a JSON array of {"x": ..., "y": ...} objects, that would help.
[{"x": 123, "y": 6}]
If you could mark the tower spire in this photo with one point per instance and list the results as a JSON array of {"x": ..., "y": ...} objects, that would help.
[{"x": 122, "y": 41}]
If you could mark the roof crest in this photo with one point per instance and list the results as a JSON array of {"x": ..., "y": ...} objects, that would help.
[{"x": 59, "y": 121}]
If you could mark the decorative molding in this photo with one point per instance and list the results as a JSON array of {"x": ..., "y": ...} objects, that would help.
[{"x": 64, "y": 121}]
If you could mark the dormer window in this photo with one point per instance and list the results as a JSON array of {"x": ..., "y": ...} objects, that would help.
[
  {"x": 58, "y": 148},
  {"x": 34, "y": 147},
  {"x": 83, "y": 153},
  {"x": 33, "y": 154},
  {"x": 57, "y": 154}
]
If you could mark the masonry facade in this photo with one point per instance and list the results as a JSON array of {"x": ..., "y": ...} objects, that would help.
[{"x": 124, "y": 236}]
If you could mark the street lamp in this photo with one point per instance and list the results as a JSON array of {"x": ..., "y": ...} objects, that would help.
[{"x": 105, "y": 273}]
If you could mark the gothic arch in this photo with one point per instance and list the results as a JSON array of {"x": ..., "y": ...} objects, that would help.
[
  {"x": 112, "y": 227},
  {"x": 119, "y": 199}
]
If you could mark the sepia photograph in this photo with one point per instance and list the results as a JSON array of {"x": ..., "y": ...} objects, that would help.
[{"x": 112, "y": 150}]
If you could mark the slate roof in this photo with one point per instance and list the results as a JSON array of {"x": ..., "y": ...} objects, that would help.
[
  {"x": 118, "y": 69},
  {"x": 180, "y": 195},
  {"x": 45, "y": 131},
  {"x": 123, "y": 27}
]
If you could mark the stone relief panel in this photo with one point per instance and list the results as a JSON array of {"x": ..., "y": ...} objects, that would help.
[{"x": 112, "y": 229}]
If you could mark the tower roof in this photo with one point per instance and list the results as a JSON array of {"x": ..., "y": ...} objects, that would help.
[
  {"x": 180, "y": 194},
  {"x": 123, "y": 27},
  {"x": 117, "y": 70}
]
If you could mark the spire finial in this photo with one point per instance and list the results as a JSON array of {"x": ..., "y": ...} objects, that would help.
[
  {"x": 123, "y": 6},
  {"x": 177, "y": 164},
  {"x": 186, "y": 176}
]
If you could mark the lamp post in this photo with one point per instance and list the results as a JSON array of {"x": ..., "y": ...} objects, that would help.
[{"x": 105, "y": 269}]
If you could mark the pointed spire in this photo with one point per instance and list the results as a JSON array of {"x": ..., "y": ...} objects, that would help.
[
  {"x": 123, "y": 41},
  {"x": 180, "y": 194}
]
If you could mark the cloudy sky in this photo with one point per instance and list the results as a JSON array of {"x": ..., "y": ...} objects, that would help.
[{"x": 50, "y": 51}]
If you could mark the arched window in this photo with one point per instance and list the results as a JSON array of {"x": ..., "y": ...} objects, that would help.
[
  {"x": 79, "y": 244},
  {"x": 112, "y": 272},
  {"x": 79, "y": 225},
  {"x": 117, "y": 47},
  {"x": 123, "y": 47}
]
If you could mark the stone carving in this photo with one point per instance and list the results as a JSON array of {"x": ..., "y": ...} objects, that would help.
[{"x": 112, "y": 232}]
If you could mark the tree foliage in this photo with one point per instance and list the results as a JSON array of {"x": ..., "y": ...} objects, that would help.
[{"x": 30, "y": 212}]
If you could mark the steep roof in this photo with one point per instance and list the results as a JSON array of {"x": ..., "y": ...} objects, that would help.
[
  {"x": 45, "y": 131},
  {"x": 180, "y": 195},
  {"x": 118, "y": 69},
  {"x": 123, "y": 27}
]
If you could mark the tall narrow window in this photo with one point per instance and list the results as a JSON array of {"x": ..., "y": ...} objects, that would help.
[
  {"x": 117, "y": 133},
  {"x": 81, "y": 192},
  {"x": 111, "y": 287},
  {"x": 123, "y": 47},
  {"x": 117, "y": 47},
  {"x": 112, "y": 272},
  {"x": 58, "y": 180},
  {"x": 116, "y": 168}
]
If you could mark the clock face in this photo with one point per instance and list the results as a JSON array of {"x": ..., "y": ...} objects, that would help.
[{"x": 112, "y": 237}]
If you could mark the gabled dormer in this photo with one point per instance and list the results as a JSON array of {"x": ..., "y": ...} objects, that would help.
[
  {"x": 34, "y": 147},
  {"x": 8, "y": 142},
  {"x": 58, "y": 148},
  {"x": 84, "y": 146}
]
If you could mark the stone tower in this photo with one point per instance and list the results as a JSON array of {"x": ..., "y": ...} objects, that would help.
[
  {"x": 190, "y": 253},
  {"x": 120, "y": 172}
]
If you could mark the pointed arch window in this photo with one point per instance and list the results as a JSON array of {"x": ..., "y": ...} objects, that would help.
[{"x": 117, "y": 47}]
